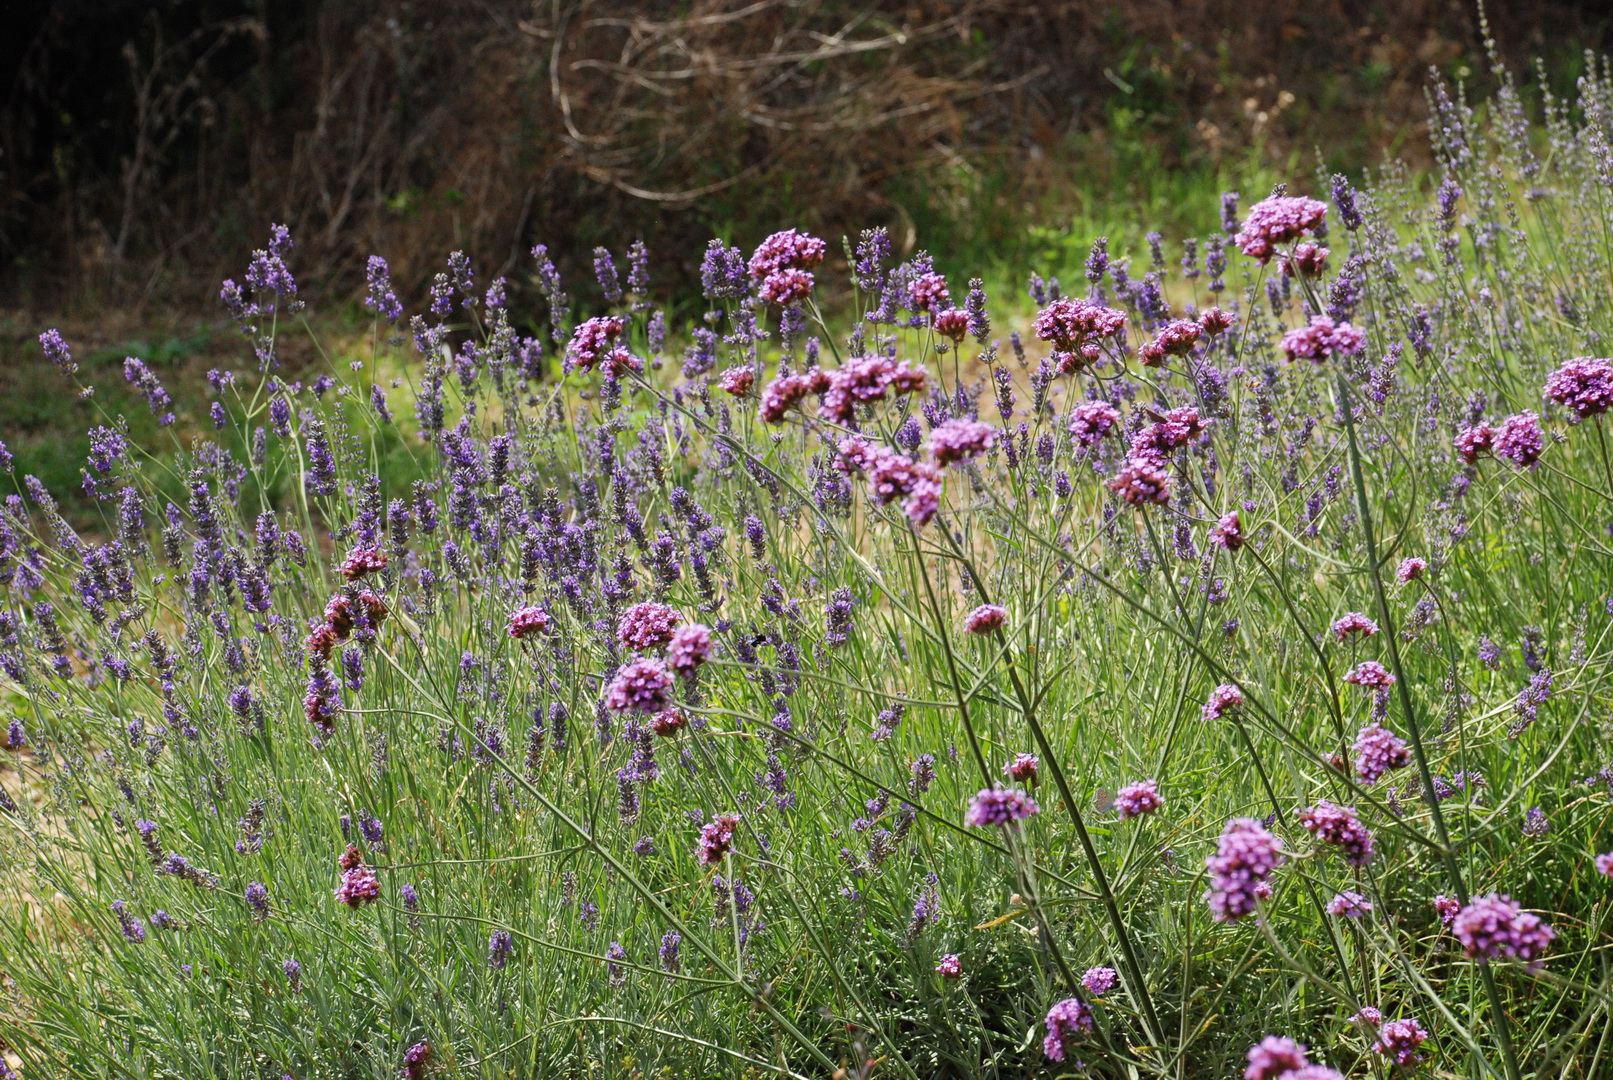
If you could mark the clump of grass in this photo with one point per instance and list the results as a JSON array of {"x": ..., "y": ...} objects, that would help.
[{"x": 1211, "y": 664}]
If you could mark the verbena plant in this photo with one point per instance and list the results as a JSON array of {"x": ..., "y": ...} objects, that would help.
[{"x": 1220, "y": 667}]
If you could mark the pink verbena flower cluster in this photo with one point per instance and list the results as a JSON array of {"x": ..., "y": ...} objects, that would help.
[
  {"x": 781, "y": 264},
  {"x": 361, "y": 561},
  {"x": 1076, "y": 328},
  {"x": 528, "y": 621},
  {"x": 1098, "y": 981},
  {"x": 1137, "y": 799},
  {"x": 985, "y": 618},
  {"x": 716, "y": 839},
  {"x": 1175, "y": 338},
  {"x": 960, "y": 439},
  {"x": 1399, "y": 1041},
  {"x": 1492, "y": 927},
  {"x": 1518, "y": 440},
  {"x": 642, "y": 686},
  {"x": 1584, "y": 386},
  {"x": 894, "y": 476},
  {"x": 1321, "y": 339},
  {"x": 1277, "y": 220},
  {"x": 1223, "y": 699},
  {"x": 1023, "y": 769},
  {"x": 647, "y": 625},
  {"x": 688, "y": 648},
  {"x": 1377, "y": 750},
  {"x": 1067, "y": 1019},
  {"x": 1338, "y": 826},
  {"x": 1354, "y": 622},
  {"x": 1243, "y": 860},
  {"x": 593, "y": 342},
  {"x": 1090, "y": 421},
  {"x": 999, "y": 806},
  {"x": 358, "y": 886},
  {"x": 1228, "y": 532},
  {"x": 863, "y": 380}
]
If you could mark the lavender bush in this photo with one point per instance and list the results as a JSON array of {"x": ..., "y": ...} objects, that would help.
[{"x": 1203, "y": 675}]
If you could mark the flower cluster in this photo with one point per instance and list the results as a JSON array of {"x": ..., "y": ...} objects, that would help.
[
  {"x": 1137, "y": 799},
  {"x": 999, "y": 806},
  {"x": 1492, "y": 927},
  {"x": 1243, "y": 860},
  {"x": 1066, "y": 1020},
  {"x": 1280, "y": 219},
  {"x": 1339, "y": 827}
]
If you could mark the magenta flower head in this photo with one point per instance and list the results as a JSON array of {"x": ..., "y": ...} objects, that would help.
[
  {"x": 1349, "y": 905},
  {"x": 951, "y": 323},
  {"x": 415, "y": 1061},
  {"x": 1022, "y": 770},
  {"x": 960, "y": 440},
  {"x": 1273, "y": 1056},
  {"x": 1223, "y": 699},
  {"x": 358, "y": 886},
  {"x": 1369, "y": 673},
  {"x": 1099, "y": 981},
  {"x": 928, "y": 292},
  {"x": 1475, "y": 440},
  {"x": 1399, "y": 1040},
  {"x": 361, "y": 561},
  {"x": 1175, "y": 338},
  {"x": 1377, "y": 750},
  {"x": 1228, "y": 532},
  {"x": 1244, "y": 858},
  {"x": 1309, "y": 259},
  {"x": 1492, "y": 927},
  {"x": 737, "y": 381},
  {"x": 592, "y": 342},
  {"x": 1584, "y": 386},
  {"x": 1277, "y": 220},
  {"x": 688, "y": 648},
  {"x": 1000, "y": 806},
  {"x": 1354, "y": 623},
  {"x": 786, "y": 287},
  {"x": 643, "y": 686},
  {"x": 1137, "y": 799},
  {"x": 1520, "y": 440},
  {"x": 528, "y": 621},
  {"x": 1411, "y": 569},
  {"x": 1447, "y": 908},
  {"x": 647, "y": 625},
  {"x": 1067, "y": 1019},
  {"x": 1321, "y": 340},
  {"x": 1075, "y": 328},
  {"x": 1090, "y": 421},
  {"x": 1604, "y": 864},
  {"x": 787, "y": 391},
  {"x": 716, "y": 839},
  {"x": 1214, "y": 321},
  {"x": 786, "y": 250},
  {"x": 985, "y": 618},
  {"x": 1338, "y": 826},
  {"x": 950, "y": 967},
  {"x": 1142, "y": 482}
]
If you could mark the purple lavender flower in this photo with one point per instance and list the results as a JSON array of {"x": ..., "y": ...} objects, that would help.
[
  {"x": 500, "y": 946},
  {"x": 923, "y": 774},
  {"x": 257, "y": 898},
  {"x": 415, "y": 1060},
  {"x": 1244, "y": 858},
  {"x": 1067, "y": 1019},
  {"x": 1492, "y": 927},
  {"x": 1000, "y": 806},
  {"x": 133, "y": 929},
  {"x": 671, "y": 941},
  {"x": 378, "y": 283},
  {"x": 57, "y": 352},
  {"x": 293, "y": 972}
]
